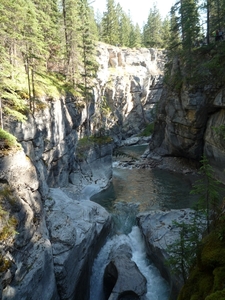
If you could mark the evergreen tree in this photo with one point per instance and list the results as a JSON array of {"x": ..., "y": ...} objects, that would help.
[
  {"x": 71, "y": 21},
  {"x": 48, "y": 19},
  {"x": 110, "y": 24},
  {"x": 208, "y": 190},
  {"x": 165, "y": 32},
  {"x": 135, "y": 37},
  {"x": 183, "y": 250},
  {"x": 89, "y": 65},
  {"x": 98, "y": 20},
  {"x": 152, "y": 29},
  {"x": 125, "y": 30}
]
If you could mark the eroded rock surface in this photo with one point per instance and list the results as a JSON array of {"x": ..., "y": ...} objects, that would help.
[
  {"x": 122, "y": 278},
  {"x": 77, "y": 230},
  {"x": 159, "y": 232},
  {"x": 130, "y": 81},
  {"x": 186, "y": 125}
]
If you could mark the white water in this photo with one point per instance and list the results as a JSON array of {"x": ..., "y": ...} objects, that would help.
[{"x": 157, "y": 287}]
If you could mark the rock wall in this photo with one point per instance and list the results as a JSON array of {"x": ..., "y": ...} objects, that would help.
[
  {"x": 159, "y": 233},
  {"x": 185, "y": 125},
  {"x": 58, "y": 236},
  {"x": 129, "y": 84}
]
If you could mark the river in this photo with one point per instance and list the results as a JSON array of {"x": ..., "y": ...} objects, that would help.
[{"x": 133, "y": 191}]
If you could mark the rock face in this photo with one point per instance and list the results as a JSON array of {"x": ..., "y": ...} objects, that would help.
[
  {"x": 76, "y": 231},
  {"x": 52, "y": 254},
  {"x": 185, "y": 126},
  {"x": 122, "y": 278},
  {"x": 50, "y": 140},
  {"x": 32, "y": 270},
  {"x": 129, "y": 84},
  {"x": 159, "y": 232}
]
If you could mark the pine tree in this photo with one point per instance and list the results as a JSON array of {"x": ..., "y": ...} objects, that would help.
[
  {"x": 110, "y": 24},
  {"x": 89, "y": 65},
  {"x": 48, "y": 20},
  {"x": 135, "y": 37},
  {"x": 71, "y": 19},
  {"x": 208, "y": 190},
  {"x": 152, "y": 29},
  {"x": 183, "y": 250},
  {"x": 125, "y": 30},
  {"x": 165, "y": 32}
]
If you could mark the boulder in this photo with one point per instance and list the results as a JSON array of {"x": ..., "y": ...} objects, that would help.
[
  {"x": 122, "y": 278},
  {"x": 77, "y": 231}
]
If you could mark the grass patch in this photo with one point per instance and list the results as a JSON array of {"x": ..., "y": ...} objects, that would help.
[
  {"x": 8, "y": 141},
  {"x": 148, "y": 130},
  {"x": 86, "y": 143},
  {"x": 8, "y": 223}
]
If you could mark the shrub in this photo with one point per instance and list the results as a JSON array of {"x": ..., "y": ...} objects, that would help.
[{"x": 7, "y": 140}]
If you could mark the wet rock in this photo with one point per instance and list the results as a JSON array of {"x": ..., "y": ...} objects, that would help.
[
  {"x": 159, "y": 232},
  {"x": 122, "y": 278},
  {"x": 75, "y": 227}
]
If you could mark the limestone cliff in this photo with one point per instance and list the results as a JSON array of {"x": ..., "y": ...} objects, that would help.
[
  {"x": 129, "y": 84},
  {"x": 186, "y": 122}
]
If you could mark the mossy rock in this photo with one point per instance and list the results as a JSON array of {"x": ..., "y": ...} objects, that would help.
[
  {"x": 198, "y": 286},
  {"x": 219, "y": 279},
  {"x": 219, "y": 295},
  {"x": 213, "y": 252},
  {"x": 206, "y": 279}
]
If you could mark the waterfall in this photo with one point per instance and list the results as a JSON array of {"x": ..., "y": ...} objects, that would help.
[{"x": 157, "y": 287}]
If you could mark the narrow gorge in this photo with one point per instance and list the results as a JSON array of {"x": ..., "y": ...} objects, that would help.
[{"x": 52, "y": 176}]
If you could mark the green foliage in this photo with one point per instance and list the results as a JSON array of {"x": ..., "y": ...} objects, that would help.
[
  {"x": 207, "y": 187},
  {"x": 7, "y": 140},
  {"x": 8, "y": 223},
  {"x": 220, "y": 131},
  {"x": 110, "y": 24},
  {"x": 152, "y": 32},
  {"x": 206, "y": 279},
  {"x": 183, "y": 250},
  {"x": 88, "y": 142},
  {"x": 148, "y": 130}
]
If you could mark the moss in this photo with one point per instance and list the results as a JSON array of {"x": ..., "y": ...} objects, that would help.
[
  {"x": 86, "y": 143},
  {"x": 195, "y": 297},
  {"x": 198, "y": 285},
  {"x": 8, "y": 223},
  {"x": 213, "y": 252},
  {"x": 219, "y": 276},
  {"x": 5, "y": 264},
  {"x": 219, "y": 295},
  {"x": 206, "y": 279}
]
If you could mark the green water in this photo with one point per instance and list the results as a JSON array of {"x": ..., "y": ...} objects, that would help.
[
  {"x": 147, "y": 189},
  {"x": 150, "y": 189}
]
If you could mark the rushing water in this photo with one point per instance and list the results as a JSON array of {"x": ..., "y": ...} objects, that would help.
[
  {"x": 133, "y": 191},
  {"x": 157, "y": 287}
]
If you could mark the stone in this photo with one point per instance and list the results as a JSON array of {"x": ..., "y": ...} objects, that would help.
[
  {"x": 75, "y": 227},
  {"x": 53, "y": 247},
  {"x": 122, "y": 278},
  {"x": 159, "y": 232},
  {"x": 185, "y": 124}
]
